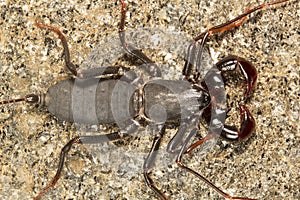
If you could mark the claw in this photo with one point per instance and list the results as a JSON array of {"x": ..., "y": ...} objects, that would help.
[
  {"x": 249, "y": 72},
  {"x": 247, "y": 126}
]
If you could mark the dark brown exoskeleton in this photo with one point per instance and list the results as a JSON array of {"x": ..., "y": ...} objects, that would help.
[{"x": 115, "y": 95}]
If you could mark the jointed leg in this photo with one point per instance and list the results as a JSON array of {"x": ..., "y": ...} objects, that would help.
[
  {"x": 84, "y": 74},
  {"x": 150, "y": 160},
  {"x": 98, "y": 139},
  {"x": 236, "y": 22},
  {"x": 181, "y": 165},
  {"x": 111, "y": 72},
  {"x": 247, "y": 126},
  {"x": 189, "y": 62},
  {"x": 175, "y": 144},
  {"x": 194, "y": 59},
  {"x": 200, "y": 142},
  {"x": 70, "y": 66},
  {"x": 150, "y": 66}
]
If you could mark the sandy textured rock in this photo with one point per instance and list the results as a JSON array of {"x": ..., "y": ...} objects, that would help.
[{"x": 265, "y": 167}]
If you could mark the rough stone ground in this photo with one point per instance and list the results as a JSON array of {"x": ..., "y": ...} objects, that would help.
[{"x": 266, "y": 166}]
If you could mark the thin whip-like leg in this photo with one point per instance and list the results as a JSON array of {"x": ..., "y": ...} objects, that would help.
[
  {"x": 229, "y": 25},
  {"x": 181, "y": 165}
]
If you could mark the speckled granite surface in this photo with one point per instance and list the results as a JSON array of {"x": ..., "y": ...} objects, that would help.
[{"x": 265, "y": 167}]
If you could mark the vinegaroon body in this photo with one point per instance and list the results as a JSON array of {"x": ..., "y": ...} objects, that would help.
[{"x": 115, "y": 95}]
